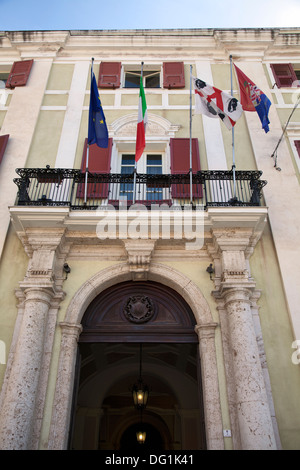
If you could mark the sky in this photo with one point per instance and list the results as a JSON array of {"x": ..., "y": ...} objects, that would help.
[{"x": 26, "y": 15}]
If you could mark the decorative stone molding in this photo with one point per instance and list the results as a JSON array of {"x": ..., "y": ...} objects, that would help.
[
  {"x": 139, "y": 254},
  {"x": 47, "y": 251},
  {"x": 76, "y": 309},
  {"x": 139, "y": 309},
  {"x": 157, "y": 126}
]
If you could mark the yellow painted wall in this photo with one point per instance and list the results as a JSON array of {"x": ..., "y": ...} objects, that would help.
[
  {"x": 44, "y": 145},
  {"x": 278, "y": 338},
  {"x": 13, "y": 266},
  {"x": 60, "y": 77},
  {"x": 55, "y": 100}
]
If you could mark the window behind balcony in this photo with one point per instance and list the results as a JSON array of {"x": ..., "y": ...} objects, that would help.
[
  {"x": 154, "y": 167},
  {"x": 127, "y": 168}
]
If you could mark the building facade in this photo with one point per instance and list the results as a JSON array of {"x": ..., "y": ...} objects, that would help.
[{"x": 139, "y": 275}]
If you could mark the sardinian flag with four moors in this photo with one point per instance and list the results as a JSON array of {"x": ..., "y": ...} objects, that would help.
[{"x": 216, "y": 103}]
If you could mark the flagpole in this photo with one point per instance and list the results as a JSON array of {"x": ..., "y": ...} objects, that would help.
[
  {"x": 191, "y": 164},
  {"x": 135, "y": 163},
  {"x": 87, "y": 149},
  {"x": 232, "y": 131},
  {"x": 274, "y": 154}
]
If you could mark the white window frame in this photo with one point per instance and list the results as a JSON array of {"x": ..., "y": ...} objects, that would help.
[{"x": 155, "y": 68}]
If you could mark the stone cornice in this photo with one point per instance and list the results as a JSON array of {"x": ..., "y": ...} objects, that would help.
[{"x": 216, "y": 44}]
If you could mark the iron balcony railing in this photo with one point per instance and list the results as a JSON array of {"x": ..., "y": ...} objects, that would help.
[{"x": 66, "y": 187}]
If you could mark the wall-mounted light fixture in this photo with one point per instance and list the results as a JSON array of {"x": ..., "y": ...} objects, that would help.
[
  {"x": 66, "y": 269},
  {"x": 210, "y": 270}
]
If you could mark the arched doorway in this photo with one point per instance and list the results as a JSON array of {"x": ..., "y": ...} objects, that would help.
[{"x": 114, "y": 325}]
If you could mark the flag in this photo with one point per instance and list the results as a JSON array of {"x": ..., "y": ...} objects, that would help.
[
  {"x": 142, "y": 123},
  {"x": 215, "y": 103},
  {"x": 253, "y": 99},
  {"x": 97, "y": 133}
]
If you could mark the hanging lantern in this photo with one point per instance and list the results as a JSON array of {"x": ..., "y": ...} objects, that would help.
[
  {"x": 141, "y": 437},
  {"x": 140, "y": 394}
]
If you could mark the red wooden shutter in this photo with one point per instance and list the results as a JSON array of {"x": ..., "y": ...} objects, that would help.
[
  {"x": 284, "y": 75},
  {"x": 19, "y": 73},
  {"x": 297, "y": 145},
  {"x": 173, "y": 75},
  {"x": 180, "y": 164},
  {"x": 99, "y": 162},
  {"x": 3, "y": 143},
  {"x": 109, "y": 75}
]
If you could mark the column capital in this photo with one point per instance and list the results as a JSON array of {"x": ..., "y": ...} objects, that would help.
[
  {"x": 206, "y": 331},
  {"x": 47, "y": 249},
  {"x": 71, "y": 329}
]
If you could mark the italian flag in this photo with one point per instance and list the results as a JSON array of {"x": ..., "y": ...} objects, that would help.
[{"x": 142, "y": 123}]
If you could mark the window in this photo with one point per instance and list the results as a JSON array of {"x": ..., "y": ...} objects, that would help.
[
  {"x": 180, "y": 164},
  {"x": 127, "y": 168},
  {"x": 109, "y": 75},
  {"x": 286, "y": 75},
  {"x": 3, "y": 143},
  {"x": 99, "y": 162},
  {"x": 297, "y": 145},
  {"x": 173, "y": 75},
  {"x": 154, "y": 167},
  {"x": 169, "y": 75},
  {"x": 19, "y": 73},
  {"x": 3, "y": 80},
  {"x": 151, "y": 79}
]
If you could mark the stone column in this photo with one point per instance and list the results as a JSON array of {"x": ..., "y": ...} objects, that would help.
[
  {"x": 256, "y": 430},
  {"x": 16, "y": 419},
  {"x": 60, "y": 423},
  {"x": 24, "y": 386},
  {"x": 235, "y": 287},
  {"x": 211, "y": 398}
]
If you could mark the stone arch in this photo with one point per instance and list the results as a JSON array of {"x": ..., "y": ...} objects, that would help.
[
  {"x": 160, "y": 273},
  {"x": 71, "y": 328},
  {"x": 125, "y": 126}
]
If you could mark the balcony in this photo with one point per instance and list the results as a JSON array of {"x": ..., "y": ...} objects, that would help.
[{"x": 66, "y": 187}]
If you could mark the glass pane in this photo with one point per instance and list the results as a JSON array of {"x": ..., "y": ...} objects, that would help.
[
  {"x": 153, "y": 159},
  {"x": 154, "y": 170},
  {"x": 153, "y": 82},
  {"x": 132, "y": 80},
  {"x": 127, "y": 170},
  {"x": 128, "y": 160},
  {"x": 154, "y": 167}
]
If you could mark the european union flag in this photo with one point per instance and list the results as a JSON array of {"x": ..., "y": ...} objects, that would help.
[{"x": 98, "y": 133}]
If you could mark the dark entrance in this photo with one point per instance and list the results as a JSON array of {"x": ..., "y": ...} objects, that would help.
[
  {"x": 114, "y": 325},
  {"x": 153, "y": 442}
]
